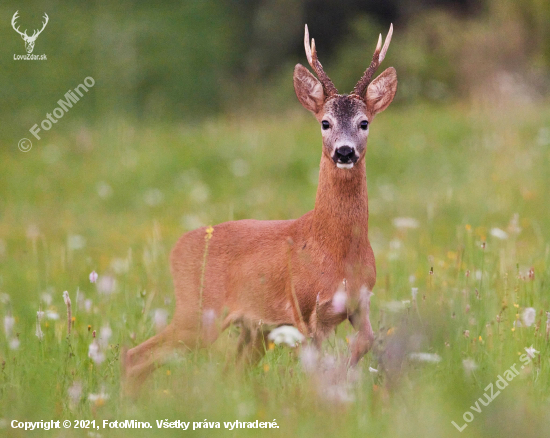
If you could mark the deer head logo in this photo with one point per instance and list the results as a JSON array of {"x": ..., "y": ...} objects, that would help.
[{"x": 29, "y": 40}]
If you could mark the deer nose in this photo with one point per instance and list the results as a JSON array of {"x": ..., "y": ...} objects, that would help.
[{"x": 344, "y": 154}]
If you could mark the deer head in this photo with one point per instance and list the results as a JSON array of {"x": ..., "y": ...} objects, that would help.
[
  {"x": 345, "y": 119},
  {"x": 29, "y": 40}
]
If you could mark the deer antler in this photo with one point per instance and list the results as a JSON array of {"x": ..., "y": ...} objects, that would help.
[
  {"x": 377, "y": 58},
  {"x": 13, "y": 20},
  {"x": 24, "y": 34},
  {"x": 36, "y": 33},
  {"x": 311, "y": 53}
]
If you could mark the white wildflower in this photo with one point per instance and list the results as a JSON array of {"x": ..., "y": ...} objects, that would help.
[
  {"x": 405, "y": 222},
  {"x": 364, "y": 294},
  {"x": 286, "y": 334},
  {"x": 499, "y": 234},
  {"x": 528, "y": 316},
  {"x": 14, "y": 343},
  {"x": 93, "y": 276},
  {"x": 39, "y": 333},
  {"x": 199, "y": 192},
  {"x": 105, "y": 334},
  {"x": 106, "y": 285},
  {"x": 47, "y": 298},
  {"x": 425, "y": 357},
  {"x": 51, "y": 314},
  {"x": 192, "y": 222},
  {"x": 95, "y": 353},
  {"x": 68, "y": 304},
  {"x": 513, "y": 226},
  {"x": 208, "y": 317},
  {"x": 469, "y": 365},
  {"x": 395, "y": 247},
  {"x": 373, "y": 370},
  {"x": 75, "y": 393},
  {"x": 102, "y": 396},
  {"x": 338, "y": 393},
  {"x": 395, "y": 244},
  {"x": 153, "y": 197},
  {"x": 339, "y": 301},
  {"x": 308, "y": 358},
  {"x": 245, "y": 409},
  {"x": 328, "y": 362},
  {"x": 120, "y": 265},
  {"x": 9, "y": 322},
  {"x": 394, "y": 306},
  {"x": 414, "y": 293},
  {"x": 160, "y": 319},
  {"x": 75, "y": 241}
]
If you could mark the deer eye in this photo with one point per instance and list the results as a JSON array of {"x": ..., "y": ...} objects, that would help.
[
  {"x": 325, "y": 124},
  {"x": 364, "y": 125}
]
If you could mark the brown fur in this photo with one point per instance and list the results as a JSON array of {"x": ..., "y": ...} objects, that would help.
[{"x": 261, "y": 274}]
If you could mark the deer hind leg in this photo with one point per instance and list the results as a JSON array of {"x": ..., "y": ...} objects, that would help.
[
  {"x": 183, "y": 334},
  {"x": 143, "y": 359}
]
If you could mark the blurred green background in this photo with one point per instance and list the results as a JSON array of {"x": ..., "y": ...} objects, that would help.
[
  {"x": 181, "y": 60},
  {"x": 192, "y": 121}
]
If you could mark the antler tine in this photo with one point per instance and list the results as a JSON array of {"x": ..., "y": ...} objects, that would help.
[
  {"x": 377, "y": 58},
  {"x": 307, "y": 46},
  {"x": 311, "y": 54},
  {"x": 44, "y": 23},
  {"x": 13, "y": 20},
  {"x": 386, "y": 44}
]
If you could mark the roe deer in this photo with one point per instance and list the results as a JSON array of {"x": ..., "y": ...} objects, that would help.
[{"x": 264, "y": 274}]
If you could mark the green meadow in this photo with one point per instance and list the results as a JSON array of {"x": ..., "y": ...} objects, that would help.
[{"x": 459, "y": 223}]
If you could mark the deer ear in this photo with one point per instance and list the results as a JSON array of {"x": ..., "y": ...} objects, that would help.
[
  {"x": 381, "y": 91},
  {"x": 308, "y": 89}
]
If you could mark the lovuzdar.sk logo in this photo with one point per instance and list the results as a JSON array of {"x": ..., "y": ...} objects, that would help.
[{"x": 29, "y": 40}]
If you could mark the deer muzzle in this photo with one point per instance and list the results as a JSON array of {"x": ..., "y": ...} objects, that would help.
[{"x": 345, "y": 157}]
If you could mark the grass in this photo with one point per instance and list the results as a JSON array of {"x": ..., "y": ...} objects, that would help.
[{"x": 114, "y": 198}]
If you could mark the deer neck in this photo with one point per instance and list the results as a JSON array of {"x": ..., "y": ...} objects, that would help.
[{"x": 340, "y": 217}]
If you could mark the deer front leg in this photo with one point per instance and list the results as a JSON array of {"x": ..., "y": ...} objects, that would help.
[
  {"x": 252, "y": 344},
  {"x": 360, "y": 321},
  {"x": 324, "y": 320}
]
